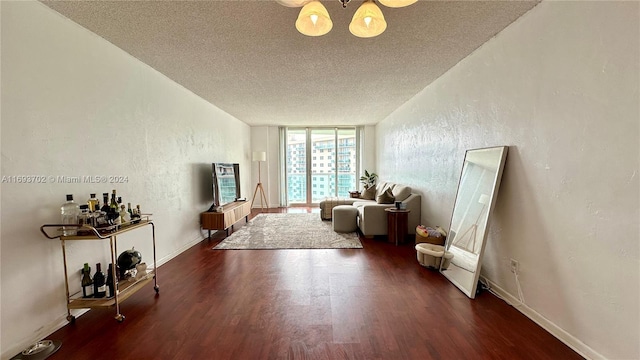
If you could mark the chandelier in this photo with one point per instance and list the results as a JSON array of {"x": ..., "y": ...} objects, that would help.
[{"x": 367, "y": 21}]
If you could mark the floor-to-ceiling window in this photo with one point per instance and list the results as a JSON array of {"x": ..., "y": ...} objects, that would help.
[
  {"x": 320, "y": 163},
  {"x": 296, "y": 163}
]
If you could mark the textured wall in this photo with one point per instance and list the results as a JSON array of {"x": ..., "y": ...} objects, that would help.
[
  {"x": 73, "y": 104},
  {"x": 560, "y": 87},
  {"x": 266, "y": 138},
  {"x": 368, "y": 148}
]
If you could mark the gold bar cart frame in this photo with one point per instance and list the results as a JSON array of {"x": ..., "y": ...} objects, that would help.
[{"x": 126, "y": 289}]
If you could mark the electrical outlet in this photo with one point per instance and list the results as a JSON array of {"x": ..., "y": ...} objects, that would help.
[{"x": 515, "y": 266}]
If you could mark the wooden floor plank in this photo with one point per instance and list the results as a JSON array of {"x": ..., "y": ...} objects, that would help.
[{"x": 371, "y": 303}]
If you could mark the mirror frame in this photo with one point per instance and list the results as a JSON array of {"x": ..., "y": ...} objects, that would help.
[{"x": 470, "y": 291}]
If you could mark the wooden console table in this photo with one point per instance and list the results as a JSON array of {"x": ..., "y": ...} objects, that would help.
[
  {"x": 397, "y": 223},
  {"x": 230, "y": 214}
]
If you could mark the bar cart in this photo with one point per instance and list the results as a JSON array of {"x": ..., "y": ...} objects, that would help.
[{"x": 126, "y": 288}]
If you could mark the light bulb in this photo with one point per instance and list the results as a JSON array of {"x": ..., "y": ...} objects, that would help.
[
  {"x": 368, "y": 21},
  {"x": 313, "y": 19}
]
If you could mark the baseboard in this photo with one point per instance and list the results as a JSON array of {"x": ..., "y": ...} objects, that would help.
[
  {"x": 61, "y": 321},
  {"x": 180, "y": 250},
  {"x": 257, "y": 206},
  {"x": 41, "y": 334},
  {"x": 568, "y": 339}
]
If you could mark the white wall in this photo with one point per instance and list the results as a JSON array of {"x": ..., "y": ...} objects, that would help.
[
  {"x": 560, "y": 86},
  {"x": 73, "y": 104},
  {"x": 368, "y": 148},
  {"x": 266, "y": 138}
]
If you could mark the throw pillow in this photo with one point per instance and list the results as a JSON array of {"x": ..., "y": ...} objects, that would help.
[
  {"x": 386, "y": 197},
  {"x": 401, "y": 192},
  {"x": 369, "y": 194}
]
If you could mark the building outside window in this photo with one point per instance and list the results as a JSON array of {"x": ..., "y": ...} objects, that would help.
[{"x": 330, "y": 176}]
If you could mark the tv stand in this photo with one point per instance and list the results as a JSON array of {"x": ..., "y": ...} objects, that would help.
[{"x": 224, "y": 220}]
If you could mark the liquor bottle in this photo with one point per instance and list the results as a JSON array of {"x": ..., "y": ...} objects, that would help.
[
  {"x": 103, "y": 218},
  {"x": 129, "y": 209},
  {"x": 87, "y": 289},
  {"x": 100, "y": 218},
  {"x": 110, "y": 278},
  {"x": 93, "y": 218},
  {"x": 84, "y": 217},
  {"x": 105, "y": 204},
  {"x": 99, "y": 284},
  {"x": 70, "y": 212},
  {"x": 135, "y": 217},
  {"x": 114, "y": 204},
  {"x": 124, "y": 215},
  {"x": 93, "y": 203},
  {"x": 114, "y": 209}
]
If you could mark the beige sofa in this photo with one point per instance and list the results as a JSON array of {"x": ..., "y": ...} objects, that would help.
[{"x": 372, "y": 219}]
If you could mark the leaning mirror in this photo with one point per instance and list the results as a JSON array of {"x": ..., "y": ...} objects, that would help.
[{"x": 475, "y": 200}]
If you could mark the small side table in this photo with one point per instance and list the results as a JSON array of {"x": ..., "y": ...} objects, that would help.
[{"x": 397, "y": 222}]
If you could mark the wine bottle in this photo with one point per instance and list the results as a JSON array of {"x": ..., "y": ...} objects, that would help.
[
  {"x": 114, "y": 203},
  {"x": 129, "y": 209},
  {"x": 99, "y": 283},
  {"x": 114, "y": 209},
  {"x": 105, "y": 204},
  {"x": 110, "y": 278},
  {"x": 93, "y": 203},
  {"x": 87, "y": 289},
  {"x": 70, "y": 212},
  {"x": 103, "y": 218}
]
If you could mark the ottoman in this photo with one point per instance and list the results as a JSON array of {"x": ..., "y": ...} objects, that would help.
[
  {"x": 344, "y": 218},
  {"x": 430, "y": 255},
  {"x": 327, "y": 205}
]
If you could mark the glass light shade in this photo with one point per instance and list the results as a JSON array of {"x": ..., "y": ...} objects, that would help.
[
  {"x": 292, "y": 3},
  {"x": 368, "y": 21},
  {"x": 396, "y": 3},
  {"x": 259, "y": 156},
  {"x": 314, "y": 20}
]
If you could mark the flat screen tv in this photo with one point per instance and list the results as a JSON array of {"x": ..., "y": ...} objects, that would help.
[{"x": 226, "y": 183}]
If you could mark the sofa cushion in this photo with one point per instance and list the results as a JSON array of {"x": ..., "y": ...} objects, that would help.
[
  {"x": 369, "y": 194},
  {"x": 386, "y": 197},
  {"x": 381, "y": 187},
  {"x": 363, "y": 202},
  {"x": 401, "y": 192}
]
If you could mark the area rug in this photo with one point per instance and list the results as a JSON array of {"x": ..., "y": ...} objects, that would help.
[{"x": 289, "y": 231}]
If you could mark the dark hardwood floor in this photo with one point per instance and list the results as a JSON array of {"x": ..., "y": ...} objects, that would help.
[{"x": 371, "y": 303}]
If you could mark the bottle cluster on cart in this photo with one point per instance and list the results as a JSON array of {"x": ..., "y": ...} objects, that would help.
[
  {"x": 99, "y": 285},
  {"x": 105, "y": 218}
]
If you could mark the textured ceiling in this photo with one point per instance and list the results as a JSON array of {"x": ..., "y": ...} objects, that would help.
[{"x": 247, "y": 58}]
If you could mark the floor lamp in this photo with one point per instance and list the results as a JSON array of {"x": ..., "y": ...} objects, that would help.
[
  {"x": 259, "y": 156},
  {"x": 473, "y": 230}
]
